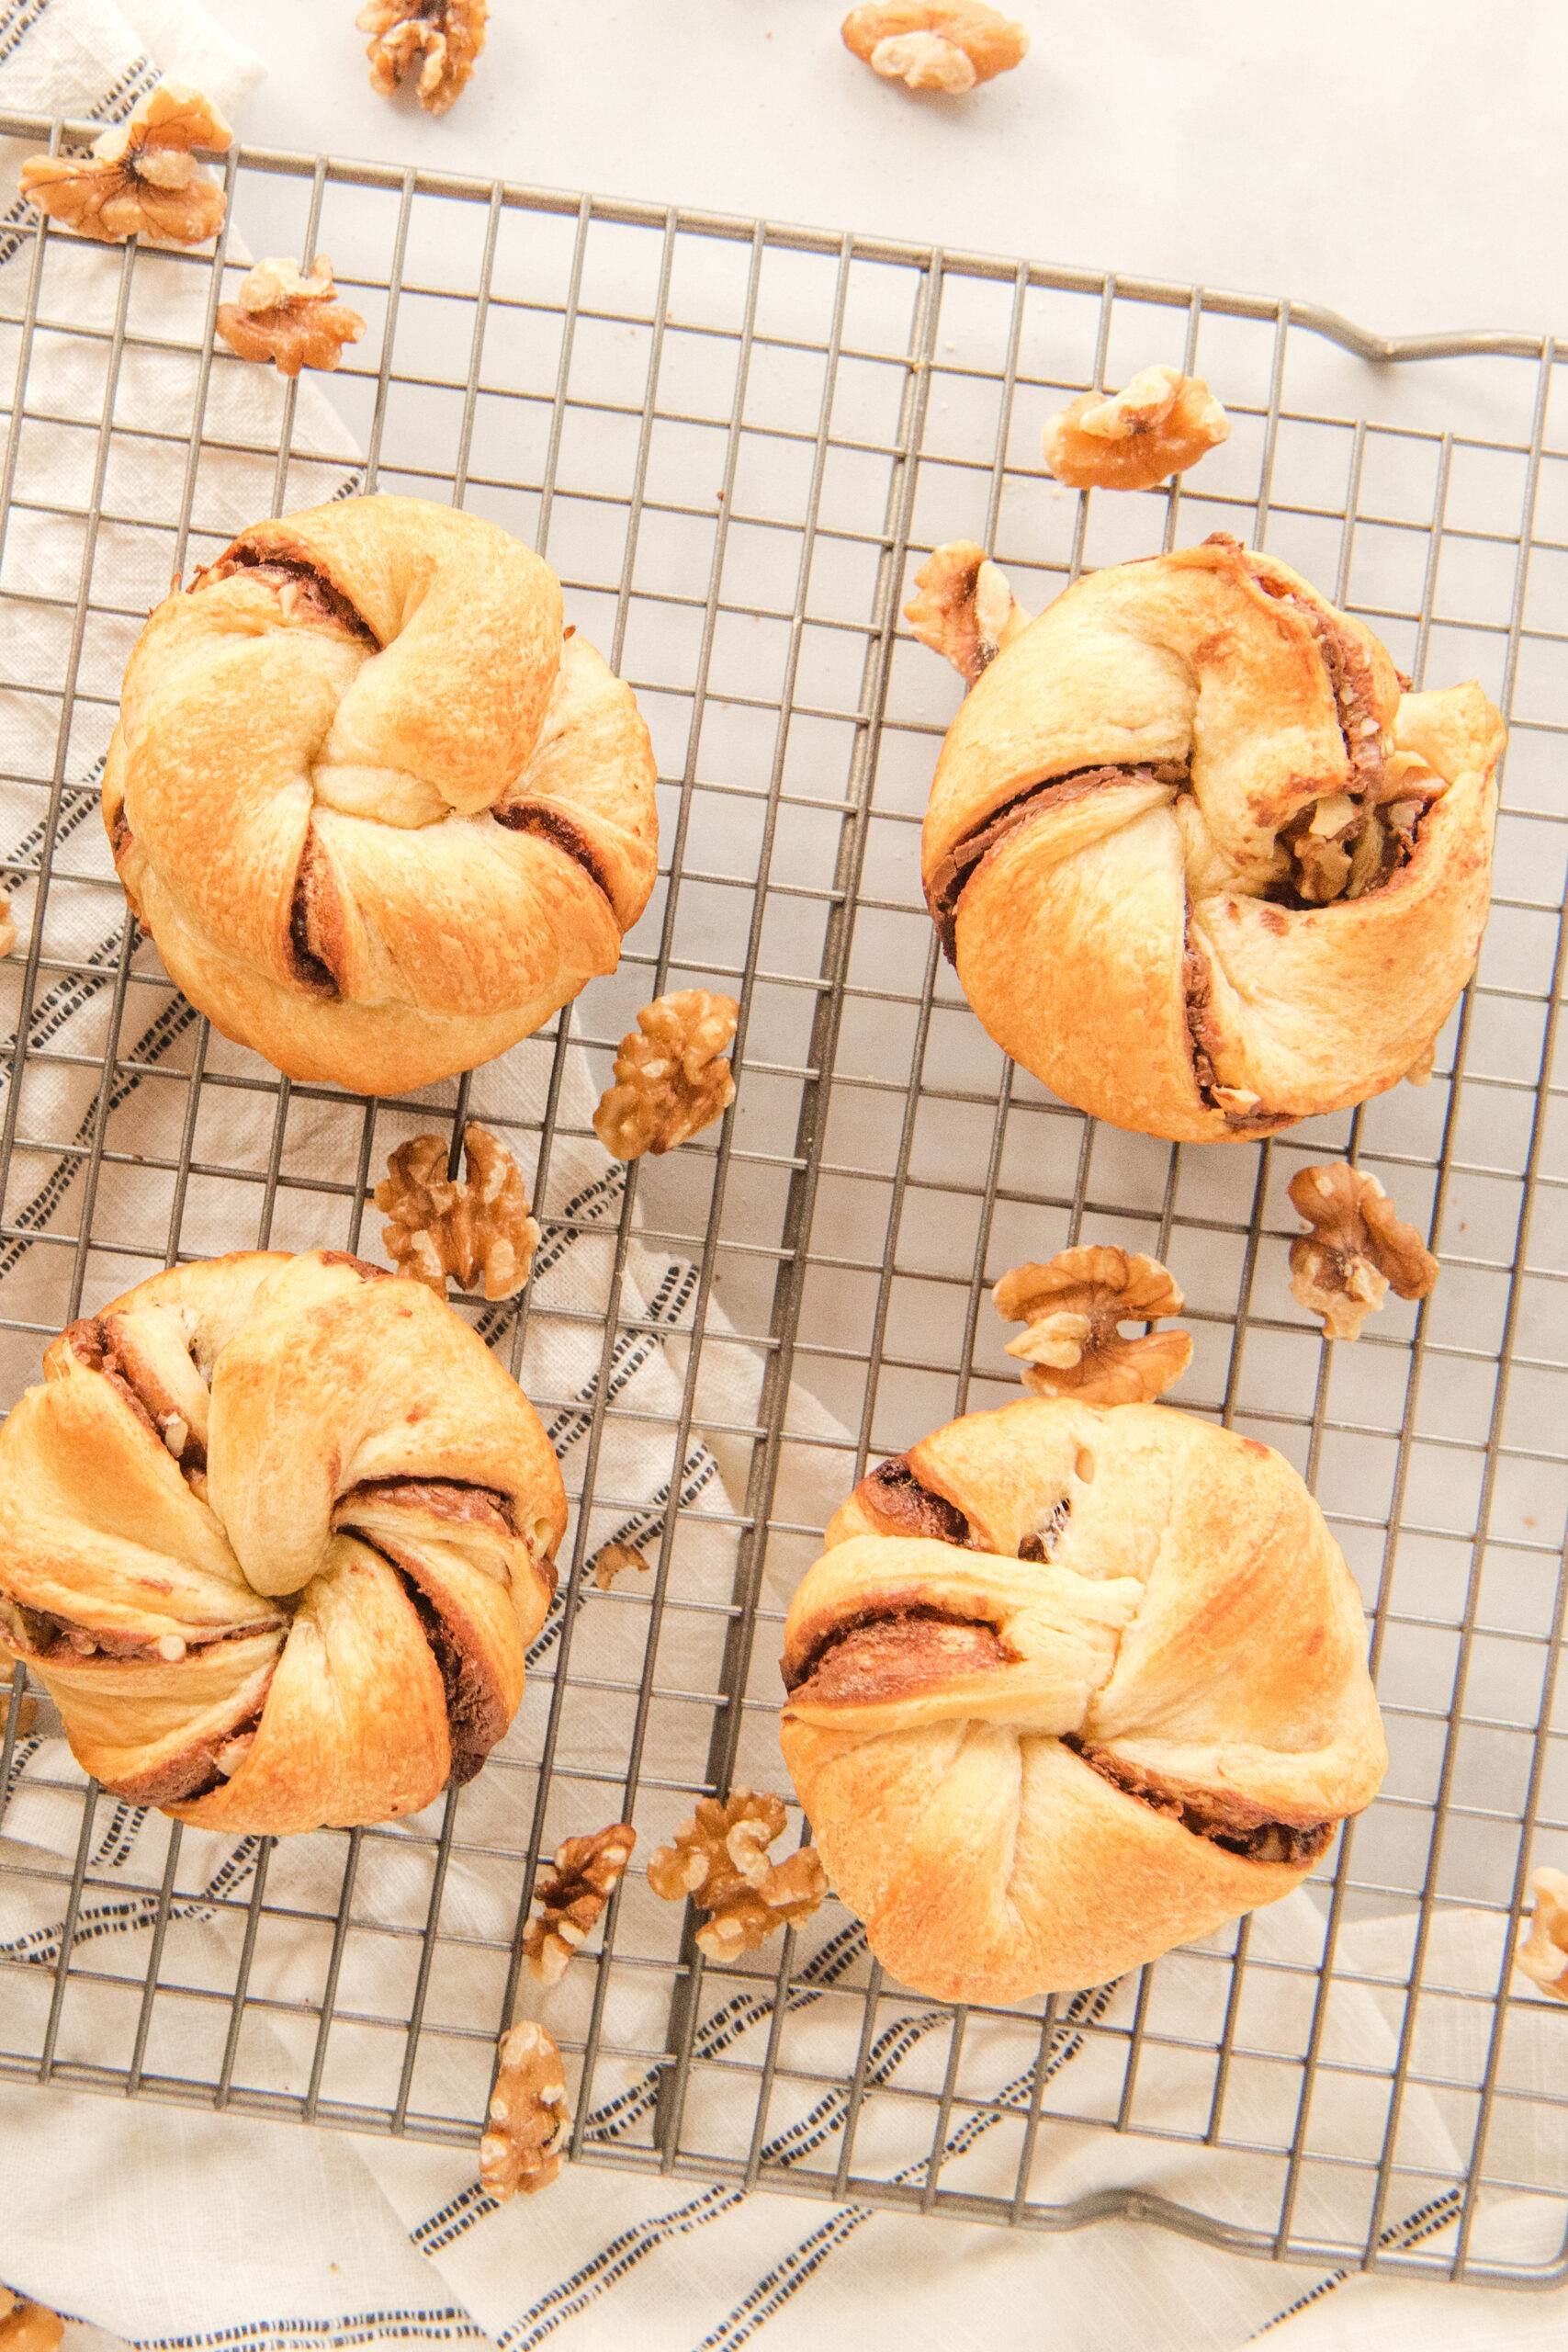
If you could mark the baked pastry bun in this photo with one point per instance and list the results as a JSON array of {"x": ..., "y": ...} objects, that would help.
[
  {"x": 1204, "y": 865},
  {"x": 381, "y": 817},
  {"x": 1070, "y": 1686},
  {"x": 275, "y": 1534}
]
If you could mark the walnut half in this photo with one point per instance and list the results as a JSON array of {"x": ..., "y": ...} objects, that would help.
[
  {"x": 1357, "y": 1250},
  {"x": 1161, "y": 424},
  {"x": 950, "y": 47},
  {"x": 673, "y": 1080},
  {"x": 1073, "y": 1306},
  {"x": 295, "y": 322},
  {"x": 528, "y": 2115},
  {"x": 1543, "y": 1954},
  {"x": 442, "y": 37},
  {"x": 965, "y": 610},
  {"x": 720, "y": 1858},
  {"x": 476, "y": 1230},
  {"x": 570, "y": 1898},
  {"x": 140, "y": 176}
]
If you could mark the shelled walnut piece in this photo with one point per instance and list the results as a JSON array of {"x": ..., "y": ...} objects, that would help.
[
  {"x": 27, "y": 2328},
  {"x": 476, "y": 1229},
  {"x": 613, "y": 1559},
  {"x": 295, "y": 322},
  {"x": 1357, "y": 1248},
  {"x": 965, "y": 609},
  {"x": 1543, "y": 1954},
  {"x": 570, "y": 1898},
  {"x": 528, "y": 2115},
  {"x": 1073, "y": 1307},
  {"x": 140, "y": 176},
  {"x": 1158, "y": 425},
  {"x": 444, "y": 38},
  {"x": 720, "y": 1857},
  {"x": 673, "y": 1080},
  {"x": 950, "y": 47}
]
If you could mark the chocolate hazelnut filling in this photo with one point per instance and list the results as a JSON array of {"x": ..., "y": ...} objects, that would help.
[
  {"x": 476, "y": 1715},
  {"x": 181, "y": 1779},
  {"x": 893, "y": 1494},
  {"x": 315, "y": 923},
  {"x": 553, "y": 825},
  {"x": 1226, "y": 1819},
  {"x": 316, "y": 598},
  {"x": 954, "y": 873},
  {"x": 895, "y": 1653},
  {"x": 51, "y": 1638},
  {"x": 442, "y": 1498},
  {"x": 1197, "y": 984},
  {"x": 1042, "y": 1544},
  {"x": 90, "y": 1343}
]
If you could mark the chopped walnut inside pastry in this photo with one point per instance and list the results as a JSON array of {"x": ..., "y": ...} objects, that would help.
[
  {"x": 1073, "y": 1307},
  {"x": 477, "y": 1230},
  {"x": 27, "y": 1712},
  {"x": 965, "y": 610},
  {"x": 612, "y": 1559},
  {"x": 720, "y": 1858},
  {"x": 528, "y": 2115},
  {"x": 570, "y": 1899},
  {"x": 295, "y": 322},
  {"x": 674, "y": 1079},
  {"x": 1357, "y": 1248},
  {"x": 1161, "y": 424},
  {"x": 140, "y": 176},
  {"x": 27, "y": 2328},
  {"x": 950, "y": 47},
  {"x": 442, "y": 37},
  {"x": 1543, "y": 1954}
]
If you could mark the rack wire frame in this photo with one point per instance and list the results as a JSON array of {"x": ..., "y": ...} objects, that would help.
[{"x": 882, "y": 1164}]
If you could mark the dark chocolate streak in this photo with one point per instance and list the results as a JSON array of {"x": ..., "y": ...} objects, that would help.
[
  {"x": 320, "y": 596},
  {"x": 886, "y": 1652},
  {"x": 181, "y": 1779},
  {"x": 1233, "y": 1822},
  {"x": 89, "y": 1343},
  {"x": 453, "y": 1499},
  {"x": 897, "y": 1496},
  {"x": 474, "y": 1719},
  {"x": 51, "y": 1637},
  {"x": 550, "y": 825},
  {"x": 953, "y": 873}
]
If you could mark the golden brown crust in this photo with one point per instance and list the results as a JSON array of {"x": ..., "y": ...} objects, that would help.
[
  {"x": 327, "y": 1618},
  {"x": 355, "y": 896},
  {"x": 1138, "y": 1707},
  {"x": 1266, "y": 890}
]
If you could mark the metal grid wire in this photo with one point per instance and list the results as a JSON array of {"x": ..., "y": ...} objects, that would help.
[{"x": 735, "y": 443}]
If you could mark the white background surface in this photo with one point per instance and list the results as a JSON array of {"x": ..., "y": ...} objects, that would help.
[{"x": 1400, "y": 160}]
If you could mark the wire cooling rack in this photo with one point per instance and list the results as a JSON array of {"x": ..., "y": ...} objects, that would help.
[{"x": 735, "y": 442}]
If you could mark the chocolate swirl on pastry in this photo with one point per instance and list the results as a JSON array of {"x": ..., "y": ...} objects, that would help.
[
  {"x": 276, "y": 1532},
  {"x": 1203, "y": 862},
  {"x": 381, "y": 812},
  {"x": 1131, "y": 1704}
]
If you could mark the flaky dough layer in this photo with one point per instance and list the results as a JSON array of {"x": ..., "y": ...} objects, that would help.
[
  {"x": 381, "y": 817},
  {"x": 1070, "y": 1686},
  {"x": 275, "y": 1534},
  {"x": 1128, "y": 810}
]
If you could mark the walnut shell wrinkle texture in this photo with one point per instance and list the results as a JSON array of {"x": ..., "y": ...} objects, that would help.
[
  {"x": 382, "y": 816},
  {"x": 1070, "y": 1686},
  {"x": 1205, "y": 866},
  {"x": 275, "y": 1534}
]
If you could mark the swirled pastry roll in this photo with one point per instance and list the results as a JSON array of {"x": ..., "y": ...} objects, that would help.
[
  {"x": 1070, "y": 1686},
  {"x": 1203, "y": 864},
  {"x": 382, "y": 817},
  {"x": 275, "y": 1534}
]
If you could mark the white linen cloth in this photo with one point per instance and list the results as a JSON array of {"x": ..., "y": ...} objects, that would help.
[{"x": 171, "y": 2226}]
